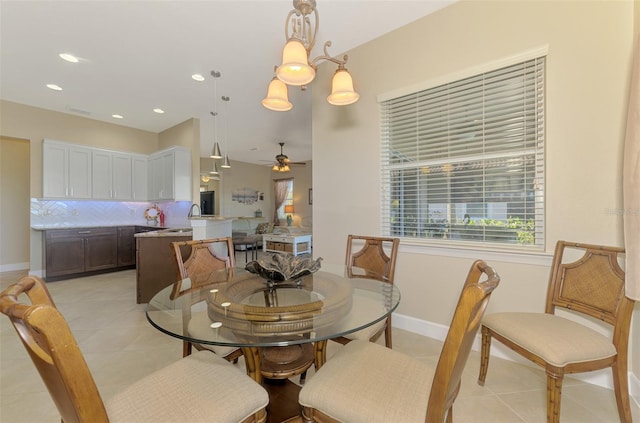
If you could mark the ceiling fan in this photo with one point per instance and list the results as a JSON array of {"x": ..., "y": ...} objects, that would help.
[{"x": 283, "y": 163}]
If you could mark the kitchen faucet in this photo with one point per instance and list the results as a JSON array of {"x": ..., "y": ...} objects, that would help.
[{"x": 191, "y": 210}]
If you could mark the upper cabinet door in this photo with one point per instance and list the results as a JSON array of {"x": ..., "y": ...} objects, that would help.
[
  {"x": 139, "y": 177},
  {"x": 66, "y": 171},
  {"x": 79, "y": 172},
  {"x": 55, "y": 170},
  {"x": 102, "y": 175},
  {"x": 122, "y": 180}
]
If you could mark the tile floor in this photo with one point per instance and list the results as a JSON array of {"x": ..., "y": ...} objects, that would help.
[{"x": 120, "y": 347}]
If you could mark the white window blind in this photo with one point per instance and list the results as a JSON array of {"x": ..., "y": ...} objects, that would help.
[{"x": 463, "y": 162}]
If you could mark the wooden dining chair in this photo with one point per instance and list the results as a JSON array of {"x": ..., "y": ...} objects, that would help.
[
  {"x": 585, "y": 280},
  {"x": 197, "y": 261},
  {"x": 201, "y": 387},
  {"x": 377, "y": 257},
  {"x": 366, "y": 382}
]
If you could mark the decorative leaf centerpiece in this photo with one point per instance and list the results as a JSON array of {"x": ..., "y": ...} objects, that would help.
[{"x": 282, "y": 267}]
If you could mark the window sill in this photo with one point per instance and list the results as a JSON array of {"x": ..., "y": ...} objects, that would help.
[{"x": 488, "y": 252}]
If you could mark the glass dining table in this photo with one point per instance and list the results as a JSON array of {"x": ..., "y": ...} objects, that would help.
[{"x": 282, "y": 328}]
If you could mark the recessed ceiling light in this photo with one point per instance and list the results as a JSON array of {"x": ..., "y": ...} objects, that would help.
[
  {"x": 54, "y": 87},
  {"x": 117, "y": 116},
  {"x": 69, "y": 57},
  {"x": 158, "y": 111},
  {"x": 197, "y": 77}
]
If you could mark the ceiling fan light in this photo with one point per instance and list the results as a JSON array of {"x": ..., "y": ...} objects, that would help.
[
  {"x": 295, "y": 68},
  {"x": 277, "y": 96},
  {"x": 215, "y": 153},
  {"x": 225, "y": 163},
  {"x": 342, "y": 92}
]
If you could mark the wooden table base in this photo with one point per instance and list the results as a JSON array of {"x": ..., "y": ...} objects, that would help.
[{"x": 283, "y": 400}]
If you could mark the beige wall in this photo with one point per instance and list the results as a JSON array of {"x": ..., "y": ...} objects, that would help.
[
  {"x": 247, "y": 175},
  {"x": 14, "y": 203},
  {"x": 588, "y": 69}
]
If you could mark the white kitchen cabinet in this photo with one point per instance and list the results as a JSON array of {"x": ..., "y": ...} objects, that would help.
[
  {"x": 139, "y": 178},
  {"x": 71, "y": 171},
  {"x": 170, "y": 175},
  {"x": 66, "y": 171},
  {"x": 111, "y": 175}
]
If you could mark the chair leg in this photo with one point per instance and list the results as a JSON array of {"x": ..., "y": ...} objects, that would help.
[
  {"x": 554, "y": 394},
  {"x": 484, "y": 355},
  {"x": 303, "y": 377},
  {"x": 186, "y": 348},
  {"x": 621, "y": 387},
  {"x": 387, "y": 334}
]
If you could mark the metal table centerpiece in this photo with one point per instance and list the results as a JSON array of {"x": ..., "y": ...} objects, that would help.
[
  {"x": 281, "y": 295},
  {"x": 283, "y": 268}
]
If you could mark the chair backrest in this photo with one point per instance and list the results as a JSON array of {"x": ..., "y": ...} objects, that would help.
[
  {"x": 462, "y": 333},
  {"x": 372, "y": 256},
  {"x": 588, "y": 279},
  {"x": 201, "y": 257},
  {"x": 54, "y": 351}
]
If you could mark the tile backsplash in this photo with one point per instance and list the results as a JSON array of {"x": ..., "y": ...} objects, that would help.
[{"x": 47, "y": 214}]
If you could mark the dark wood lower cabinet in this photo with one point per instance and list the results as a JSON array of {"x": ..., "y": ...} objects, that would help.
[
  {"x": 126, "y": 246},
  {"x": 81, "y": 251}
]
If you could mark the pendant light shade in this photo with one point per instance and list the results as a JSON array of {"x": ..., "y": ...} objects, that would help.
[
  {"x": 225, "y": 163},
  {"x": 215, "y": 154},
  {"x": 277, "y": 96},
  {"x": 342, "y": 92},
  {"x": 214, "y": 169},
  {"x": 295, "y": 68}
]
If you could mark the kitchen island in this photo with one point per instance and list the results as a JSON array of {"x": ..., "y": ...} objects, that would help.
[
  {"x": 208, "y": 227},
  {"x": 156, "y": 267}
]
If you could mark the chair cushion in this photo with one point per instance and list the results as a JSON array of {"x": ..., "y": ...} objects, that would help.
[
  {"x": 369, "y": 308},
  {"x": 558, "y": 341},
  {"x": 187, "y": 391},
  {"x": 366, "y": 382},
  {"x": 199, "y": 326}
]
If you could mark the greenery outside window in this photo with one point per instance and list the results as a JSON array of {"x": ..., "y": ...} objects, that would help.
[{"x": 463, "y": 162}]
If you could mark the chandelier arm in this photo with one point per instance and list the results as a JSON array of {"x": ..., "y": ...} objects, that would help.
[
  {"x": 312, "y": 37},
  {"x": 288, "y": 21},
  {"x": 327, "y": 56}
]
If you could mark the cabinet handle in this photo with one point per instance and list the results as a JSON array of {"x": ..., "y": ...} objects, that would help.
[{"x": 84, "y": 232}]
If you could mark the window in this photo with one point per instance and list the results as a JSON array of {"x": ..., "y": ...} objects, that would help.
[
  {"x": 284, "y": 190},
  {"x": 463, "y": 162}
]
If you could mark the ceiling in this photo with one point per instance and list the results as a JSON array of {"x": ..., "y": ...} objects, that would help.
[{"x": 139, "y": 55}]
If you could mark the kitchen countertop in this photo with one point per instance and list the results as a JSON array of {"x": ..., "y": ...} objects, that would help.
[
  {"x": 210, "y": 217},
  {"x": 58, "y": 226},
  {"x": 165, "y": 233}
]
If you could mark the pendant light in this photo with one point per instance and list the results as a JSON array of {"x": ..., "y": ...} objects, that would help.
[
  {"x": 225, "y": 163},
  {"x": 215, "y": 153}
]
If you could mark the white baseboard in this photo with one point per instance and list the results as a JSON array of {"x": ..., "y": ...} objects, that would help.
[
  {"x": 601, "y": 378},
  {"x": 14, "y": 266}
]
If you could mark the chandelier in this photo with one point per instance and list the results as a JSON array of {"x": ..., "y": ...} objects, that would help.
[{"x": 301, "y": 28}]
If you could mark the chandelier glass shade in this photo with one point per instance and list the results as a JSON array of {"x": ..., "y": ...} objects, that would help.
[
  {"x": 342, "y": 92},
  {"x": 277, "y": 96},
  {"x": 295, "y": 68},
  {"x": 301, "y": 28}
]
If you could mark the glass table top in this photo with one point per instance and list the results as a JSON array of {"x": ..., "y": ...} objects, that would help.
[{"x": 237, "y": 308}]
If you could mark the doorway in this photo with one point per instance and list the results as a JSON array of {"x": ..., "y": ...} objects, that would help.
[{"x": 15, "y": 189}]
